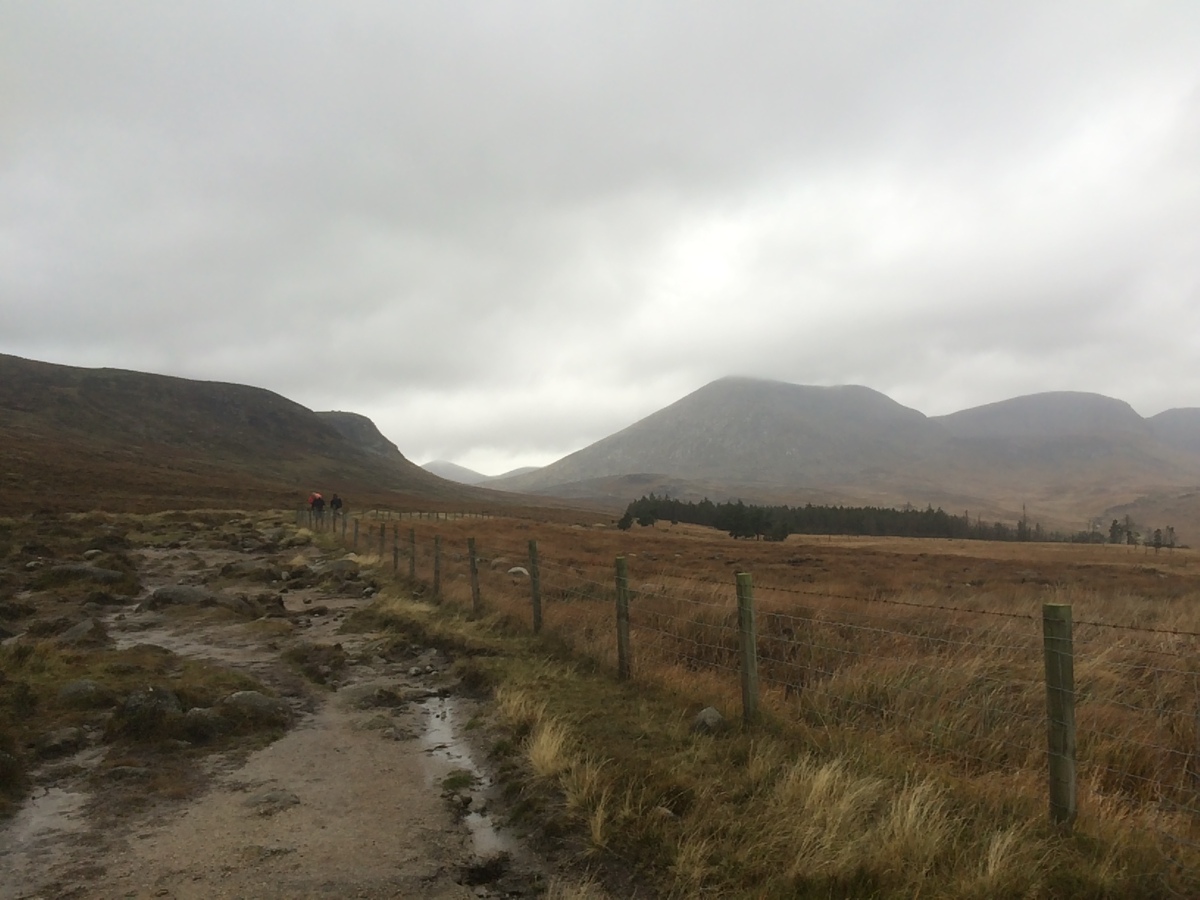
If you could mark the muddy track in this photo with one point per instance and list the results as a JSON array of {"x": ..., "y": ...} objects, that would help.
[{"x": 350, "y": 802}]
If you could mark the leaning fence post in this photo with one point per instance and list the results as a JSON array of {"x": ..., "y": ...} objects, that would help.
[
  {"x": 1060, "y": 710},
  {"x": 535, "y": 587},
  {"x": 622, "y": 619},
  {"x": 476, "y": 604},
  {"x": 748, "y": 646},
  {"x": 412, "y": 554},
  {"x": 437, "y": 566}
]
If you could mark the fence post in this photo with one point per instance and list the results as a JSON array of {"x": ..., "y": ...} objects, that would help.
[
  {"x": 535, "y": 587},
  {"x": 748, "y": 646},
  {"x": 476, "y": 603},
  {"x": 1060, "y": 711},
  {"x": 356, "y": 535},
  {"x": 343, "y": 528},
  {"x": 622, "y": 619},
  {"x": 395, "y": 555},
  {"x": 412, "y": 554},
  {"x": 382, "y": 538},
  {"x": 437, "y": 566}
]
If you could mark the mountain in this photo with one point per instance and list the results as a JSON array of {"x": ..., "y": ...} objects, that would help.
[
  {"x": 1067, "y": 456},
  {"x": 1047, "y": 416},
  {"x": 513, "y": 473},
  {"x": 361, "y": 432},
  {"x": 746, "y": 431},
  {"x": 453, "y": 472},
  {"x": 78, "y": 438},
  {"x": 1178, "y": 428}
]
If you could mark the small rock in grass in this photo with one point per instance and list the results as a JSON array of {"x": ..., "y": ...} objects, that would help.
[{"x": 708, "y": 721}]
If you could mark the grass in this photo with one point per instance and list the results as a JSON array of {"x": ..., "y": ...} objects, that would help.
[{"x": 901, "y": 746}]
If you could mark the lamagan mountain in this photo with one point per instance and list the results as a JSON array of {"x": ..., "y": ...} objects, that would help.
[
  {"x": 75, "y": 438},
  {"x": 1066, "y": 458}
]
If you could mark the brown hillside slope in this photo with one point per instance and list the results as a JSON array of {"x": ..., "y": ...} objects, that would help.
[{"x": 73, "y": 438}]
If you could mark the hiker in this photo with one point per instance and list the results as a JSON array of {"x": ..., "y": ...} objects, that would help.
[
  {"x": 335, "y": 505},
  {"x": 318, "y": 506}
]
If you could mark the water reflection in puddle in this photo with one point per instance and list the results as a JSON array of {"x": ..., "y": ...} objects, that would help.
[
  {"x": 445, "y": 744},
  {"x": 43, "y": 818}
]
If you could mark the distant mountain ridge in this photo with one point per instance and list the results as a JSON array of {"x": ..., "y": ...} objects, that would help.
[
  {"x": 76, "y": 438},
  {"x": 1070, "y": 454},
  {"x": 454, "y": 472}
]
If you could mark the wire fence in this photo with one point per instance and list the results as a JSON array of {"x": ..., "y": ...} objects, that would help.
[{"x": 970, "y": 691}]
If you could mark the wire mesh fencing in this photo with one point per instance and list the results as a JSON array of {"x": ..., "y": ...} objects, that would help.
[{"x": 958, "y": 687}]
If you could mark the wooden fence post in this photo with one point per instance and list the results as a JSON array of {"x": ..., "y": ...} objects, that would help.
[
  {"x": 412, "y": 554},
  {"x": 395, "y": 554},
  {"x": 476, "y": 603},
  {"x": 356, "y": 535},
  {"x": 622, "y": 619},
  {"x": 437, "y": 566},
  {"x": 535, "y": 587},
  {"x": 748, "y": 646},
  {"x": 343, "y": 528},
  {"x": 1060, "y": 711},
  {"x": 382, "y": 538}
]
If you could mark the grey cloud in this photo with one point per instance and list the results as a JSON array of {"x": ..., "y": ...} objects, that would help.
[{"x": 458, "y": 219}]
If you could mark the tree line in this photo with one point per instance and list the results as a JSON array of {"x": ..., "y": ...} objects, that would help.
[{"x": 775, "y": 523}]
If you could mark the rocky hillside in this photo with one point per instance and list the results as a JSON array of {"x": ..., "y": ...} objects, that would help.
[{"x": 78, "y": 438}]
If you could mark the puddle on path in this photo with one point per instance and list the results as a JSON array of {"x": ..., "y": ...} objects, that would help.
[
  {"x": 45, "y": 816},
  {"x": 446, "y": 745},
  {"x": 30, "y": 843}
]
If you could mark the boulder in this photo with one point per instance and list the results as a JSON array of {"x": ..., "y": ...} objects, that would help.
[
  {"x": 240, "y": 604},
  {"x": 181, "y": 595},
  {"x": 708, "y": 721},
  {"x": 203, "y": 723},
  {"x": 271, "y": 802},
  {"x": 346, "y": 569},
  {"x": 256, "y": 710},
  {"x": 60, "y": 742},
  {"x": 83, "y": 693},
  {"x": 89, "y": 632},
  {"x": 148, "y": 713},
  {"x": 15, "y": 609},
  {"x": 247, "y": 570},
  {"x": 80, "y": 572}
]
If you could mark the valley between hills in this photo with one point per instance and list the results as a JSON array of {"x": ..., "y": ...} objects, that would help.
[
  {"x": 207, "y": 692},
  {"x": 77, "y": 438}
]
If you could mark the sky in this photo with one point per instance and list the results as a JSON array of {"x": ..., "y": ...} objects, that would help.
[{"x": 506, "y": 230}]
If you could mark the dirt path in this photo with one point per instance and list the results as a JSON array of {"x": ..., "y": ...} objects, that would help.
[{"x": 350, "y": 802}]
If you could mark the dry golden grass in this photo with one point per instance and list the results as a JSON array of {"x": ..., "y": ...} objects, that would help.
[{"x": 902, "y": 745}]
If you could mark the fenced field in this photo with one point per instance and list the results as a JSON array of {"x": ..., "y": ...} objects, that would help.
[{"x": 1059, "y": 681}]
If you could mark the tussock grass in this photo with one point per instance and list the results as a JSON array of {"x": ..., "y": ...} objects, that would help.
[{"x": 901, "y": 746}]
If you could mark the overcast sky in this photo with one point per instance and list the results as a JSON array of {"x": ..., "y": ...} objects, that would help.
[{"x": 506, "y": 230}]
